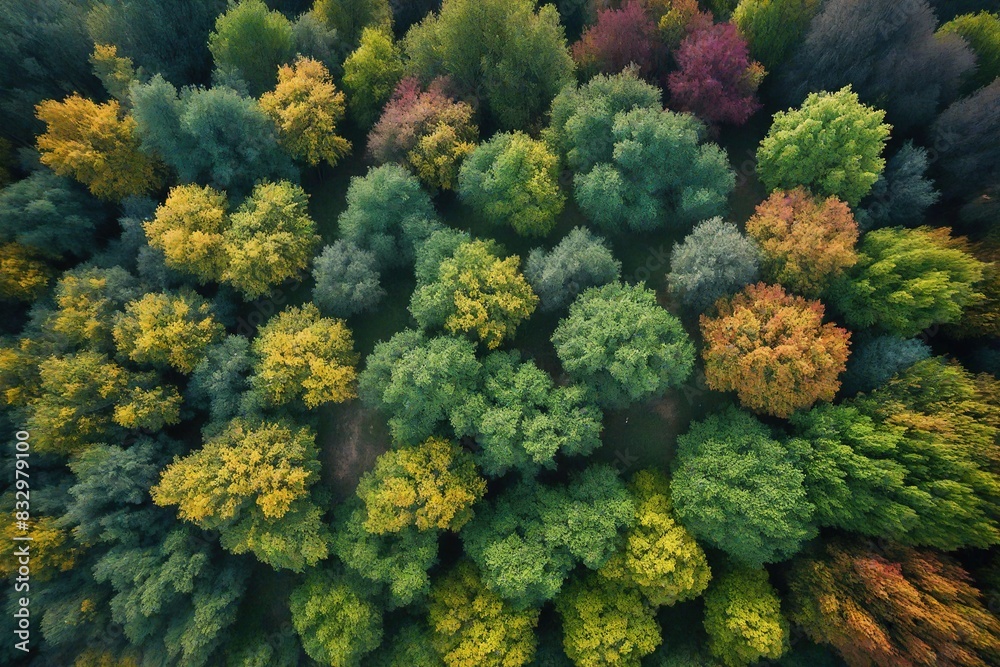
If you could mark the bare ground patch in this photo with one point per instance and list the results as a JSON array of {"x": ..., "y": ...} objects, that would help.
[{"x": 350, "y": 438}]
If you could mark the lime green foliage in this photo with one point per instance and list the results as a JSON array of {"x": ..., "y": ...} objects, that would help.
[
  {"x": 606, "y": 624},
  {"x": 167, "y": 330},
  {"x": 738, "y": 489},
  {"x": 251, "y": 41},
  {"x": 832, "y": 145},
  {"x": 982, "y": 32},
  {"x": 743, "y": 618},
  {"x": 773, "y": 28},
  {"x": 659, "y": 556},
  {"x": 512, "y": 179},
  {"x": 371, "y": 73},
  {"x": 908, "y": 279},
  {"x": 336, "y": 623}
]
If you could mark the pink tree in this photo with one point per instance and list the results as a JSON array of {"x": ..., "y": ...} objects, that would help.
[
  {"x": 618, "y": 38},
  {"x": 716, "y": 80}
]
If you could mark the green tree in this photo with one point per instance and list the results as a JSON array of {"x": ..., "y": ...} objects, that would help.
[
  {"x": 606, "y": 624},
  {"x": 418, "y": 382},
  {"x": 337, "y": 623},
  {"x": 908, "y": 279},
  {"x": 475, "y": 292},
  {"x": 300, "y": 355},
  {"x": 410, "y": 646},
  {"x": 474, "y": 627},
  {"x": 875, "y": 359},
  {"x": 579, "y": 261},
  {"x": 252, "y": 483},
  {"x": 528, "y": 539},
  {"x": 521, "y": 419},
  {"x": 832, "y": 145},
  {"x": 350, "y": 17},
  {"x": 371, "y": 73},
  {"x": 510, "y": 57},
  {"x": 219, "y": 382},
  {"x": 659, "y": 556},
  {"x": 251, "y": 41},
  {"x": 982, "y": 32},
  {"x": 715, "y": 260},
  {"x": 388, "y": 214},
  {"x": 738, "y": 489},
  {"x": 270, "y": 238},
  {"x": 430, "y": 486},
  {"x": 347, "y": 280},
  {"x": 773, "y": 28},
  {"x": 743, "y": 618},
  {"x": 167, "y": 330},
  {"x": 622, "y": 345},
  {"x": 189, "y": 229},
  {"x": 512, "y": 180}
]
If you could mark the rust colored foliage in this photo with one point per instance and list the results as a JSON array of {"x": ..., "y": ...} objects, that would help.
[
  {"x": 620, "y": 37},
  {"x": 773, "y": 350},
  {"x": 893, "y": 606},
  {"x": 805, "y": 241}
]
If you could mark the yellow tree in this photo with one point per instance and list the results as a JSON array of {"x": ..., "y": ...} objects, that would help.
[
  {"x": 116, "y": 72},
  {"x": 432, "y": 485},
  {"x": 167, "y": 330},
  {"x": 188, "y": 227},
  {"x": 96, "y": 145},
  {"x": 299, "y": 354},
  {"x": 307, "y": 108},
  {"x": 51, "y": 547},
  {"x": 23, "y": 276},
  {"x": 86, "y": 302}
]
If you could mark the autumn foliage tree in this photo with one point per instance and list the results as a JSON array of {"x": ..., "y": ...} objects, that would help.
[
  {"x": 773, "y": 350},
  {"x": 307, "y": 109},
  {"x": 715, "y": 79},
  {"x": 805, "y": 242},
  {"x": 23, "y": 274},
  {"x": 301, "y": 355},
  {"x": 96, "y": 145},
  {"x": 889, "y": 605},
  {"x": 619, "y": 38},
  {"x": 189, "y": 228},
  {"x": 743, "y": 618}
]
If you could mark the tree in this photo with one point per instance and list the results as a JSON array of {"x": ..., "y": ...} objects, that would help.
[
  {"x": 252, "y": 483},
  {"x": 220, "y": 380},
  {"x": 606, "y": 624},
  {"x": 982, "y": 33},
  {"x": 902, "y": 194},
  {"x": 678, "y": 19},
  {"x": 773, "y": 350},
  {"x": 167, "y": 330},
  {"x": 513, "y": 180},
  {"x": 300, "y": 355},
  {"x": 371, "y": 74},
  {"x": 350, "y": 17},
  {"x": 832, "y": 145},
  {"x": 641, "y": 182},
  {"x": 307, "y": 107},
  {"x": 270, "y": 238},
  {"x": 189, "y": 228},
  {"x": 337, "y": 624},
  {"x": 418, "y": 382},
  {"x": 387, "y": 214},
  {"x": 715, "y": 79},
  {"x": 965, "y": 135},
  {"x": 805, "y": 242},
  {"x": 743, "y": 618},
  {"x": 426, "y": 131},
  {"x": 529, "y": 538},
  {"x": 347, "y": 280},
  {"x": 115, "y": 72},
  {"x": 410, "y": 646},
  {"x": 982, "y": 318},
  {"x": 579, "y": 261},
  {"x": 49, "y": 214},
  {"x": 622, "y": 345},
  {"x": 475, "y": 292},
  {"x": 619, "y": 38},
  {"x": 889, "y": 55},
  {"x": 474, "y": 627},
  {"x": 392, "y": 564},
  {"x": 251, "y": 42},
  {"x": 432, "y": 485},
  {"x": 894, "y": 605},
  {"x": 509, "y": 57},
  {"x": 521, "y": 419},
  {"x": 737, "y": 488},
  {"x": 659, "y": 556},
  {"x": 715, "y": 260},
  {"x": 94, "y": 144},
  {"x": 908, "y": 279},
  {"x": 875, "y": 359},
  {"x": 23, "y": 275},
  {"x": 773, "y": 28},
  {"x": 210, "y": 136}
]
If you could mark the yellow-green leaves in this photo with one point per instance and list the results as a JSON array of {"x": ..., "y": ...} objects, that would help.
[{"x": 167, "y": 330}]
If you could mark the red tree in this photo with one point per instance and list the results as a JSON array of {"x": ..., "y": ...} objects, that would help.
[
  {"x": 716, "y": 80},
  {"x": 618, "y": 38}
]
